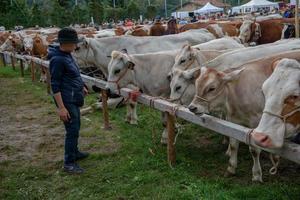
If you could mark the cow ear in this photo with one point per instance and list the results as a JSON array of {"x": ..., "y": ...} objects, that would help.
[
  {"x": 192, "y": 74},
  {"x": 130, "y": 65},
  {"x": 275, "y": 63},
  {"x": 231, "y": 76}
]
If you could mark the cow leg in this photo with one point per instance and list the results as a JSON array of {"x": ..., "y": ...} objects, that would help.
[
  {"x": 234, "y": 147},
  {"x": 164, "y": 136},
  {"x": 43, "y": 77},
  {"x": 256, "y": 169}
]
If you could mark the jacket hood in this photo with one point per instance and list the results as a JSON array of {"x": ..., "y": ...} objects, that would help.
[{"x": 53, "y": 50}]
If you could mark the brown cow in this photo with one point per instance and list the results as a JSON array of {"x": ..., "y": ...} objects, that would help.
[
  {"x": 3, "y": 36},
  {"x": 262, "y": 32},
  {"x": 221, "y": 29},
  {"x": 157, "y": 29}
]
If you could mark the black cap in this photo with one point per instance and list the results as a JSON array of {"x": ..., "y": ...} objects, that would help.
[{"x": 68, "y": 35}]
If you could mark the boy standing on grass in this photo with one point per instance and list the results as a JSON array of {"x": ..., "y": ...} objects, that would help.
[{"x": 69, "y": 91}]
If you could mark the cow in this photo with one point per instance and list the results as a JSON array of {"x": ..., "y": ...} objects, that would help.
[
  {"x": 97, "y": 51},
  {"x": 281, "y": 113},
  {"x": 3, "y": 36},
  {"x": 221, "y": 29},
  {"x": 196, "y": 25},
  {"x": 157, "y": 29},
  {"x": 262, "y": 32},
  {"x": 237, "y": 92},
  {"x": 13, "y": 43},
  {"x": 182, "y": 75},
  {"x": 133, "y": 70}
]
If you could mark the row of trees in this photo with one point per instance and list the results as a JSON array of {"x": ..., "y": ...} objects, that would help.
[{"x": 65, "y": 12}]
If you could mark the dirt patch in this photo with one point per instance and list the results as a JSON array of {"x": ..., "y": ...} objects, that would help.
[{"x": 30, "y": 130}]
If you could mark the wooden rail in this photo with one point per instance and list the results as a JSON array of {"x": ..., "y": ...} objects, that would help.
[{"x": 290, "y": 151}]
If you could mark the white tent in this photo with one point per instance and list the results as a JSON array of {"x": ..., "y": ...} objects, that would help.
[
  {"x": 208, "y": 8},
  {"x": 180, "y": 14},
  {"x": 256, "y": 5}
]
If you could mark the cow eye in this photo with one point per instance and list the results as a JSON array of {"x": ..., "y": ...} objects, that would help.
[
  {"x": 182, "y": 61},
  {"x": 211, "y": 89},
  {"x": 117, "y": 71},
  {"x": 294, "y": 97},
  {"x": 177, "y": 88},
  {"x": 77, "y": 48}
]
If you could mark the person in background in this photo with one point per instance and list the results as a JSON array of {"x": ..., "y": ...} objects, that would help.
[
  {"x": 68, "y": 91},
  {"x": 182, "y": 21},
  {"x": 194, "y": 19}
]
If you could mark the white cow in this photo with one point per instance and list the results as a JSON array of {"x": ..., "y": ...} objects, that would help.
[
  {"x": 150, "y": 71},
  {"x": 98, "y": 51},
  {"x": 183, "y": 73},
  {"x": 281, "y": 114},
  {"x": 237, "y": 92}
]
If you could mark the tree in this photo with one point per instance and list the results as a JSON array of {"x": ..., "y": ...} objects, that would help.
[
  {"x": 36, "y": 16},
  {"x": 133, "y": 10},
  {"x": 151, "y": 12},
  {"x": 96, "y": 10}
]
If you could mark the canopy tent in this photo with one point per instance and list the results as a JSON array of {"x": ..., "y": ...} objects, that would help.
[
  {"x": 181, "y": 14},
  {"x": 256, "y": 5},
  {"x": 208, "y": 8}
]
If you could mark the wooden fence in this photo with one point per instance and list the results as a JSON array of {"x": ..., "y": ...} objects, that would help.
[{"x": 290, "y": 151}]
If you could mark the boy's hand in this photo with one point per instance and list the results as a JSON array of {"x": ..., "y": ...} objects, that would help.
[
  {"x": 85, "y": 91},
  {"x": 64, "y": 114}
]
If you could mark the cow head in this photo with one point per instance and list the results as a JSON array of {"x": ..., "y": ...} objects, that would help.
[
  {"x": 12, "y": 43},
  {"x": 28, "y": 43},
  {"x": 183, "y": 85},
  {"x": 211, "y": 90},
  {"x": 83, "y": 54},
  {"x": 119, "y": 70},
  {"x": 250, "y": 31},
  {"x": 281, "y": 117},
  {"x": 188, "y": 57}
]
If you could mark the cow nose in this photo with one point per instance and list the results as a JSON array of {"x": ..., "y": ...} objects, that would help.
[{"x": 192, "y": 108}]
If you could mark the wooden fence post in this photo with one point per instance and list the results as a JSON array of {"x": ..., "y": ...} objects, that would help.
[
  {"x": 22, "y": 67},
  {"x": 13, "y": 62},
  {"x": 171, "y": 139},
  {"x": 48, "y": 79},
  {"x": 2, "y": 60},
  {"x": 105, "y": 110},
  {"x": 32, "y": 71}
]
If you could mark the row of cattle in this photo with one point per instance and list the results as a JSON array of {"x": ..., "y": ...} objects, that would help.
[
  {"x": 208, "y": 73},
  {"x": 35, "y": 42}
]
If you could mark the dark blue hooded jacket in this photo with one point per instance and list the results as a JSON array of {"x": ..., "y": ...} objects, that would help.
[{"x": 65, "y": 76}]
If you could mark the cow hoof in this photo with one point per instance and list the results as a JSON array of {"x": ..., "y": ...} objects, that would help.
[
  {"x": 133, "y": 122},
  {"x": 228, "y": 174},
  {"x": 257, "y": 179},
  {"x": 228, "y": 152}
]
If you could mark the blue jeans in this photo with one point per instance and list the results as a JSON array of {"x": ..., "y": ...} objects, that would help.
[{"x": 72, "y": 133}]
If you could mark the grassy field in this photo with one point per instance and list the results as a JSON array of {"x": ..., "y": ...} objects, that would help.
[{"x": 125, "y": 163}]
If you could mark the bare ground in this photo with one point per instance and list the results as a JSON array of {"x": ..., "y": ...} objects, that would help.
[{"x": 31, "y": 132}]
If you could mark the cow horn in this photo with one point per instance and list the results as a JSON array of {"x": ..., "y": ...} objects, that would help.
[{"x": 124, "y": 51}]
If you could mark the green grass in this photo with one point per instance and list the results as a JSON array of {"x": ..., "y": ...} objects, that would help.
[{"x": 122, "y": 167}]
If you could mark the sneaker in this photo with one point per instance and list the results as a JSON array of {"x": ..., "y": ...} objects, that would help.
[
  {"x": 81, "y": 155},
  {"x": 73, "y": 168}
]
